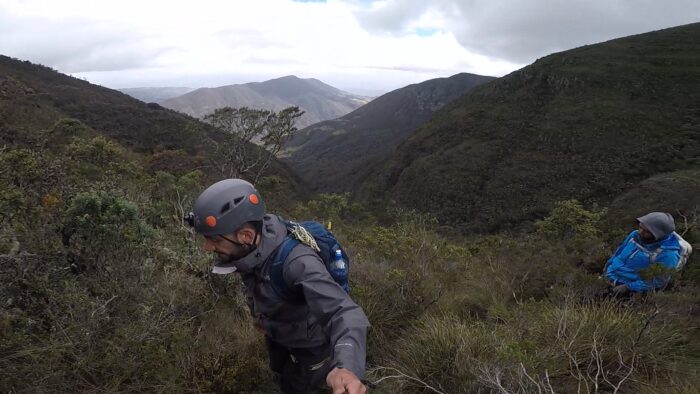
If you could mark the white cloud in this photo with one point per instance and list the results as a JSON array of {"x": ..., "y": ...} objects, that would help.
[
  {"x": 520, "y": 31},
  {"x": 131, "y": 43},
  {"x": 353, "y": 43}
]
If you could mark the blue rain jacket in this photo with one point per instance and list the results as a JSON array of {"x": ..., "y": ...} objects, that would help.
[{"x": 633, "y": 256}]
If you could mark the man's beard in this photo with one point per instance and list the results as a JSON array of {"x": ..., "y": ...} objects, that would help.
[
  {"x": 237, "y": 255},
  {"x": 224, "y": 257}
]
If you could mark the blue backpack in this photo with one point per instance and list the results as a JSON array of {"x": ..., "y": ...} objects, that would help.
[{"x": 318, "y": 238}]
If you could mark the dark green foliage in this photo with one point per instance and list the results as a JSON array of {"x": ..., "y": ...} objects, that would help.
[
  {"x": 588, "y": 123},
  {"x": 104, "y": 229}
]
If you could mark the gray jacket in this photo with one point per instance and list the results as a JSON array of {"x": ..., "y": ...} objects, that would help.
[{"x": 326, "y": 315}]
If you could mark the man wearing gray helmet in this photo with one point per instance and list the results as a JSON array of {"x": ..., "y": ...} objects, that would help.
[
  {"x": 654, "y": 242},
  {"x": 315, "y": 338}
]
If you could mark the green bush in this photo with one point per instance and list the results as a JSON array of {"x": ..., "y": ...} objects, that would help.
[
  {"x": 568, "y": 220},
  {"x": 102, "y": 228}
]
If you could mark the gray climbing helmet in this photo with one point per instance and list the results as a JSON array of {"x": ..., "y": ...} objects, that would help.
[{"x": 226, "y": 206}]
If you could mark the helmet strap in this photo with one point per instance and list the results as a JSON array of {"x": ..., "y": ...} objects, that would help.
[{"x": 251, "y": 247}]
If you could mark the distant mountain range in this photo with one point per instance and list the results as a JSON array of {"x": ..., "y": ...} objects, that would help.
[
  {"x": 591, "y": 123},
  {"x": 335, "y": 155},
  {"x": 155, "y": 94},
  {"x": 319, "y": 100}
]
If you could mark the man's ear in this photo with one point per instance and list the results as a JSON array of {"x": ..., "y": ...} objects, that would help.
[{"x": 246, "y": 235}]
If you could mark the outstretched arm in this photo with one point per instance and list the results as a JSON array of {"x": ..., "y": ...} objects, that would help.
[{"x": 344, "y": 321}]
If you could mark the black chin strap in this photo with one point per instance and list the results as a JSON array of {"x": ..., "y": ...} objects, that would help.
[{"x": 251, "y": 247}]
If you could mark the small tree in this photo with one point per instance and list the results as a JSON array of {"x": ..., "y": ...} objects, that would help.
[
  {"x": 245, "y": 127},
  {"x": 569, "y": 220}
]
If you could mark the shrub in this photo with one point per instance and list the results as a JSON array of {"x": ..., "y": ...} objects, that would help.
[
  {"x": 103, "y": 228},
  {"x": 569, "y": 220}
]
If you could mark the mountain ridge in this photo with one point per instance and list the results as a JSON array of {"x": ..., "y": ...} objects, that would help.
[
  {"x": 346, "y": 147},
  {"x": 586, "y": 123},
  {"x": 155, "y": 94},
  {"x": 320, "y": 101}
]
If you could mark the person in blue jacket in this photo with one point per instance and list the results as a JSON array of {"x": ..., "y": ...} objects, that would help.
[{"x": 654, "y": 242}]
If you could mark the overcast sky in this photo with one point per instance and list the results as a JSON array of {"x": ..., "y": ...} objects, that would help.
[{"x": 352, "y": 44}]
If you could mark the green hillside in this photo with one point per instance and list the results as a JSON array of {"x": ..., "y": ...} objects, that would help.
[
  {"x": 336, "y": 155},
  {"x": 38, "y": 103},
  {"x": 34, "y": 97},
  {"x": 587, "y": 123}
]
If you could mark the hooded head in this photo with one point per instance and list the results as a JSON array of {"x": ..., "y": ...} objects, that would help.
[{"x": 659, "y": 224}]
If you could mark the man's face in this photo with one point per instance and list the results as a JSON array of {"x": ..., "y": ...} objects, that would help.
[
  {"x": 645, "y": 234},
  {"x": 225, "y": 249}
]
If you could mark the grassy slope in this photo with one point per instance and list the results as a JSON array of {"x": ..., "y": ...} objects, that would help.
[{"x": 585, "y": 123}]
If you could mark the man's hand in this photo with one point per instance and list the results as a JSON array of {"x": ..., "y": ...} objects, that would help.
[
  {"x": 620, "y": 290},
  {"x": 343, "y": 381}
]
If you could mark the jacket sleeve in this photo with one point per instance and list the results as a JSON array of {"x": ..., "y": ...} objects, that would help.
[
  {"x": 668, "y": 259},
  {"x": 344, "y": 321},
  {"x": 614, "y": 259}
]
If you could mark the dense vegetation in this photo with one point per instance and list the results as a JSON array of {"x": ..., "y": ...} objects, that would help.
[
  {"x": 587, "y": 123},
  {"x": 105, "y": 290}
]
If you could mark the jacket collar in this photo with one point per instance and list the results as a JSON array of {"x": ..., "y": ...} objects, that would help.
[
  {"x": 273, "y": 233},
  {"x": 666, "y": 243}
]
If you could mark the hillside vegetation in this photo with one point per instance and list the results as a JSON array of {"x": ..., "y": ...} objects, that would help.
[
  {"x": 336, "y": 155},
  {"x": 34, "y": 97},
  {"x": 40, "y": 107},
  {"x": 589, "y": 123}
]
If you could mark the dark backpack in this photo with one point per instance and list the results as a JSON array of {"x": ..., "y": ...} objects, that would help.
[{"x": 308, "y": 233}]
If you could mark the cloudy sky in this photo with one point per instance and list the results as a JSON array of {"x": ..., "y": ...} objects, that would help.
[{"x": 353, "y": 44}]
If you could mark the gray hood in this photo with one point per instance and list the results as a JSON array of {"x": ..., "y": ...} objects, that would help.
[
  {"x": 273, "y": 233},
  {"x": 660, "y": 224}
]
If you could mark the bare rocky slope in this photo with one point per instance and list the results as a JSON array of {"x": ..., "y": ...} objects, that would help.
[{"x": 319, "y": 100}]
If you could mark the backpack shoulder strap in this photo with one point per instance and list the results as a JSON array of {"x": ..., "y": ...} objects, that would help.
[{"x": 276, "y": 271}]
